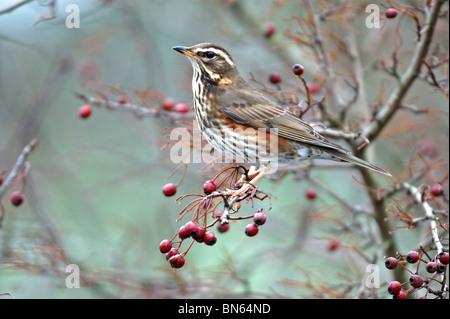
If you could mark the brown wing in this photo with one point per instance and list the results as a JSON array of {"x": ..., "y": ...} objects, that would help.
[{"x": 251, "y": 108}]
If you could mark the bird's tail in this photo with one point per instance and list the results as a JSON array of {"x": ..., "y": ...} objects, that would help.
[{"x": 347, "y": 157}]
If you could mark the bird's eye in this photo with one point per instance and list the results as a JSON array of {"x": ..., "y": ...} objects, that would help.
[{"x": 210, "y": 54}]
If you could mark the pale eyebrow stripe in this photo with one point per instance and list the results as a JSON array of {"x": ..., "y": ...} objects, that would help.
[{"x": 218, "y": 52}]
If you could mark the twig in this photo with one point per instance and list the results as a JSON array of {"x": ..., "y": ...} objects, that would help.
[
  {"x": 12, "y": 6},
  {"x": 417, "y": 195},
  {"x": 18, "y": 166}
]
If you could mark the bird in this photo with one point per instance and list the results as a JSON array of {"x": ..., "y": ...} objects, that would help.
[{"x": 231, "y": 113}]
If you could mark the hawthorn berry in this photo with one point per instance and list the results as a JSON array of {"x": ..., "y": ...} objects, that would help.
[
  {"x": 394, "y": 287},
  {"x": 443, "y": 257},
  {"x": 16, "y": 198},
  {"x": 198, "y": 233},
  {"x": 259, "y": 218},
  {"x": 440, "y": 267},
  {"x": 169, "y": 189},
  {"x": 269, "y": 30},
  {"x": 165, "y": 246},
  {"x": 209, "y": 187},
  {"x": 218, "y": 213},
  {"x": 274, "y": 78},
  {"x": 333, "y": 244},
  {"x": 182, "y": 233},
  {"x": 177, "y": 261},
  {"x": 391, "y": 13},
  {"x": 298, "y": 69},
  {"x": 251, "y": 230},
  {"x": 171, "y": 253},
  {"x": 431, "y": 267},
  {"x": 313, "y": 87},
  {"x": 391, "y": 263},
  {"x": 85, "y": 111},
  {"x": 400, "y": 295},
  {"x": 221, "y": 228},
  {"x": 311, "y": 194},
  {"x": 181, "y": 108},
  {"x": 416, "y": 281},
  {"x": 209, "y": 238},
  {"x": 123, "y": 99},
  {"x": 168, "y": 104},
  {"x": 437, "y": 190},
  {"x": 412, "y": 257},
  {"x": 190, "y": 228}
]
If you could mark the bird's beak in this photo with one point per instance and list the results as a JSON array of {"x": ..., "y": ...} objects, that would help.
[{"x": 184, "y": 50}]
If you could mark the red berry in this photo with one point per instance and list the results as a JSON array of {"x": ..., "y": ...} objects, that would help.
[
  {"x": 437, "y": 190},
  {"x": 416, "y": 281},
  {"x": 198, "y": 233},
  {"x": 16, "y": 198},
  {"x": 311, "y": 194},
  {"x": 168, "y": 104},
  {"x": 221, "y": 228},
  {"x": 251, "y": 230},
  {"x": 209, "y": 187},
  {"x": 218, "y": 213},
  {"x": 431, "y": 267},
  {"x": 181, "y": 108},
  {"x": 1, "y": 180},
  {"x": 165, "y": 246},
  {"x": 269, "y": 30},
  {"x": 177, "y": 261},
  {"x": 440, "y": 267},
  {"x": 123, "y": 99},
  {"x": 274, "y": 78},
  {"x": 298, "y": 69},
  {"x": 169, "y": 189},
  {"x": 394, "y": 287},
  {"x": 333, "y": 244},
  {"x": 443, "y": 257},
  {"x": 391, "y": 13},
  {"x": 400, "y": 295},
  {"x": 391, "y": 263},
  {"x": 209, "y": 238},
  {"x": 171, "y": 253},
  {"x": 182, "y": 233},
  {"x": 313, "y": 87},
  {"x": 412, "y": 257},
  {"x": 190, "y": 228},
  {"x": 85, "y": 111},
  {"x": 259, "y": 218}
]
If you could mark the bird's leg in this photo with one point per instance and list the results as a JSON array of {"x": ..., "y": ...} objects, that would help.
[
  {"x": 255, "y": 177},
  {"x": 247, "y": 175}
]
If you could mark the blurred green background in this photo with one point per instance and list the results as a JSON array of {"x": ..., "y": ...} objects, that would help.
[{"x": 94, "y": 189}]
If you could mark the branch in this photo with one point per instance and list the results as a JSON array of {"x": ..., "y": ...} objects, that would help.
[
  {"x": 138, "y": 111},
  {"x": 12, "y": 6},
  {"x": 428, "y": 213},
  {"x": 406, "y": 80},
  {"x": 18, "y": 166}
]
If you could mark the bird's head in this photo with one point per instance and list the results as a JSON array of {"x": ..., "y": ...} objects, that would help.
[{"x": 211, "y": 61}]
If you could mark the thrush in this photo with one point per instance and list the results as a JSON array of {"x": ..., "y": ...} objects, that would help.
[{"x": 231, "y": 114}]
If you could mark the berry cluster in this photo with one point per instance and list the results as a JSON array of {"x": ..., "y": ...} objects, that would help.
[
  {"x": 435, "y": 269},
  {"x": 206, "y": 213}
]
